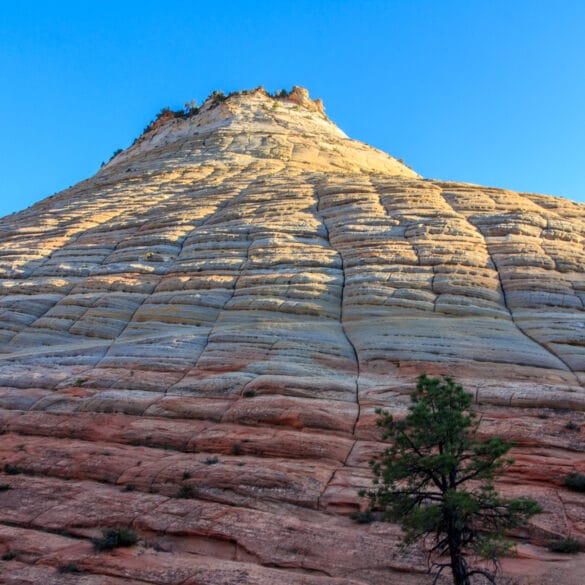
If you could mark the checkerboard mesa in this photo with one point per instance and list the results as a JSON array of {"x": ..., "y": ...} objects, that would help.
[{"x": 246, "y": 285}]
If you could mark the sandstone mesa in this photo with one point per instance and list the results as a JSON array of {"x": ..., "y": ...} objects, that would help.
[{"x": 224, "y": 305}]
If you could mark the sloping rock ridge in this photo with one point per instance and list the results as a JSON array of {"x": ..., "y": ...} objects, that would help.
[{"x": 194, "y": 341}]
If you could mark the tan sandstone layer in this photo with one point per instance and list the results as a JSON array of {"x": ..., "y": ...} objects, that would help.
[{"x": 224, "y": 305}]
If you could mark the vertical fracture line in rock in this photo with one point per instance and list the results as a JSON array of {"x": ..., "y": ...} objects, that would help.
[
  {"x": 237, "y": 279},
  {"x": 233, "y": 293},
  {"x": 504, "y": 298},
  {"x": 341, "y": 308},
  {"x": 518, "y": 326},
  {"x": 325, "y": 486},
  {"x": 145, "y": 218},
  {"x": 555, "y": 260},
  {"x": 212, "y": 328},
  {"x": 217, "y": 211},
  {"x": 376, "y": 187},
  {"x": 172, "y": 195},
  {"x": 160, "y": 276},
  {"x": 564, "y": 509},
  {"x": 70, "y": 242}
]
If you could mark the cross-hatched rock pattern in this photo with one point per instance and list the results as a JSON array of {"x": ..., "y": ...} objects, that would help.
[{"x": 194, "y": 341}]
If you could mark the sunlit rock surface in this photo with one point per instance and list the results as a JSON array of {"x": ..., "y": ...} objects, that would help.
[{"x": 224, "y": 305}]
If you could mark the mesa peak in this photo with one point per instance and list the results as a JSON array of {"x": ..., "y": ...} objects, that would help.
[
  {"x": 297, "y": 95},
  {"x": 286, "y": 127}
]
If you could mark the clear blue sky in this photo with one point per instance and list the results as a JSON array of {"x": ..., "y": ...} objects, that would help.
[{"x": 491, "y": 92}]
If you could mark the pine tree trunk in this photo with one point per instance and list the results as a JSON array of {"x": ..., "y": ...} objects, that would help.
[
  {"x": 459, "y": 569},
  {"x": 458, "y": 564}
]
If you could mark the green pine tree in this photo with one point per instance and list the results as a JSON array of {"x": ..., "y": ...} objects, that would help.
[{"x": 437, "y": 479}]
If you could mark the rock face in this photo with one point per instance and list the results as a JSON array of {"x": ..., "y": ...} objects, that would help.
[{"x": 217, "y": 313}]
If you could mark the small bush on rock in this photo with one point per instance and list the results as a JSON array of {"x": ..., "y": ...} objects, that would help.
[
  {"x": 69, "y": 568},
  {"x": 575, "y": 482},
  {"x": 567, "y": 545},
  {"x": 115, "y": 538},
  {"x": 363, "y": 517},
  {"x": 115, "y": 153},
  {"x": 217, "y": 97},
  {"x": 185, "y": 492}
]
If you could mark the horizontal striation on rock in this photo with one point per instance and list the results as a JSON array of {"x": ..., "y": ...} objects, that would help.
[{"x": 221, "y": 309}]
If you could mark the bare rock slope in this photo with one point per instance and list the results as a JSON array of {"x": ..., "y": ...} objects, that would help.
[{"x": 217, "y": 313}]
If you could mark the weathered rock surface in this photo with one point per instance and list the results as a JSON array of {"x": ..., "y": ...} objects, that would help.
[{"x": 220, "y": 310}]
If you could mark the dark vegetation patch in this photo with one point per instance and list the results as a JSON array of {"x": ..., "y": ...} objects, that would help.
[
  {"x": 575, "y": 481},
  {"x": 567, "y": 545},
  {"x": 115, "y": 538}
]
